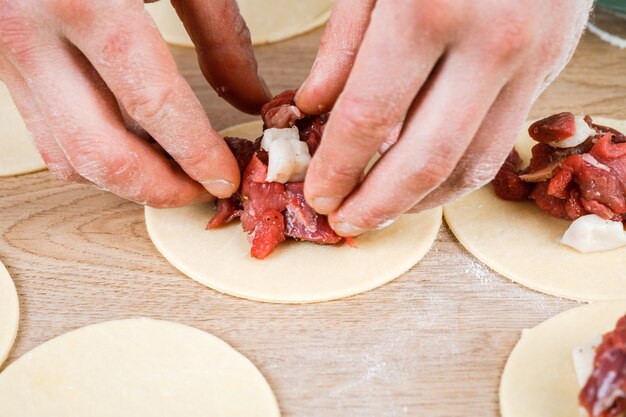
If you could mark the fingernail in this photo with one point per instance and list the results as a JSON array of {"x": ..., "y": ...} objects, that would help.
[
  {"x": 219, "y": 188},
  {"x": 347, "y": 229},
  {"x": 325, "y": 205},
  {"x": 386, "y": 224},
  {"x": 299, "y": 92},
  {"x": 203, "y": 198}
]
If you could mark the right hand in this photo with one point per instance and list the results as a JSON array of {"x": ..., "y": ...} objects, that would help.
[{"x": 93, "y": 80}]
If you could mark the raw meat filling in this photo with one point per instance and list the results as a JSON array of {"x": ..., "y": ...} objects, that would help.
[
  {"x": 570, "y": 182},
  {"x": 270, "y": 211},
  {"x": 604, "y": 394}
]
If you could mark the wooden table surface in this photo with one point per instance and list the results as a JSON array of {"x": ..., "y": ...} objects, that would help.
[{"x": 431, "y": 343}]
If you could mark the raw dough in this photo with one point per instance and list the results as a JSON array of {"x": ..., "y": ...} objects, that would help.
[
  {"x": 9, "y": 313},
  {"x": 131, "y": 368},
  {"x": 296, "y": 272},
  {"x": 268, "y": 20},
  {"x": 18, "y": 154},
  {"x": 521, "y": 242},
  {"x": 539, "y": 379}
]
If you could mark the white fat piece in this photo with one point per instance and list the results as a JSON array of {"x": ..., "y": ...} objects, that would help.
[
  {"x": 583, "y": 131},
  {"x": 592, "y": 233},
  {"x": 289, "y": 157}
]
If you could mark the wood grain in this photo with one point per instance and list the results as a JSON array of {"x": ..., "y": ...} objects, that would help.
[{"x": 433, "y": 342}]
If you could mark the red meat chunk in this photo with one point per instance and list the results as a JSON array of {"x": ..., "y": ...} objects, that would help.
[
  {"x": 570, "y": 182},
  {"x": 554, "y": 128},
  {"x": 281, "y": 112},
  {"x": 226, "y": 211},
  {"x": 243, "y": 150},
  {"x": 303, "y": 222},
  {"x": 604, "y": 394},
  {"x": 268, "y": 232},
  {"x": 602, "y": 192},
  {"x": 546, "y": 202},
  {"x": 508, "y": 185}
]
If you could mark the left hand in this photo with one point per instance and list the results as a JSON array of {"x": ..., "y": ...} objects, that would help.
[{"x": 441, "y": 88}]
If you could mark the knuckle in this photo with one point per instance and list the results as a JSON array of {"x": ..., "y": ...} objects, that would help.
[
  {"x": 446, "y": 13},
  {"x": 241, "y": 30},
  {"x": 105, "y": 168},
  {"x": 340, "y": 175},
  {"x": 85, "y": 12},
  {"x": 430, "y": 175},
  {"x": 511, "y": 39},
  {"x": 195, "y": 159},
  {"x": 371, "y": 218},
  {"x": 72, "y": 10},
  {"x": 364, "y": 121},
  {"x": 476, "y": 175},
  {"x": 63, "y": 171},
  {"x": 17, "y": 34},
  {"x": 163, "y": 199},
  {"x": 148, "y": 102},
  {"x": 375, "y": 217}
]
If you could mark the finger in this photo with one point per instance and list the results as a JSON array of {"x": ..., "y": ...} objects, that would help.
[
  {"x": 134, "y": 62},
  {"x": 25, "y": 103},
  {"x": 489, "y": 149},
  {"x": 379, "y": 91},
  {"x": 341, "y": 40},
  {"x": 87, "y": 125},
  {"x": 225, "y": 53},
  {"x": 437, "y": 132}
]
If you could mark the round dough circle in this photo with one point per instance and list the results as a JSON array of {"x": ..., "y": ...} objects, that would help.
[
  {"x": 296, "y": 272},
  {"x": 268, "y": 20},
  {"x": 19, "y": 155},
  {"x": 135, "y": 367},
  {"x": 521, "y": 242},
  {"x": 539, "y": 378},
  {"x": 9, "y": 313}
]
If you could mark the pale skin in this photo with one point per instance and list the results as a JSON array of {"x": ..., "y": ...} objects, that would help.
[{"x": 440, "y": 87}]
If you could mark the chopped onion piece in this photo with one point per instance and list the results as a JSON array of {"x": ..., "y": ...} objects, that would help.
[
  {"x": 289, "y": 157},
  {"x": 591, "y": 233},
  {"x": 583, "y": 131}
]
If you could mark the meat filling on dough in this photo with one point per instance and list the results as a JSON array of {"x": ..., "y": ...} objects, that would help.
[
  {"x": 270, "y": 202},
  {"x": 604, "y": 393},
  {"x": 577, "y": 168}
]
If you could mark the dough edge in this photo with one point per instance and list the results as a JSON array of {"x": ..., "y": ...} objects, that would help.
[{"x": 9, "y": 304}]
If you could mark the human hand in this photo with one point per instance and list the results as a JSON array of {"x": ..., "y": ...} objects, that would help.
[
  {"x": 441, "y": 88},
  {"x": 93, "y": 80}
]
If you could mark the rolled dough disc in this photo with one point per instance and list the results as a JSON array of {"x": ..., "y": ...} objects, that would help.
[
  {"x": 296, "y": 272},
  {"x": 9, "y": 313},
  {"x": 18, "y": 154},
  {"x": 539, "y": 379},
  {"x": 268, "y": 20},
  {"x": 521, "y": 242},
  {"x": 135, "y": 367}
]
